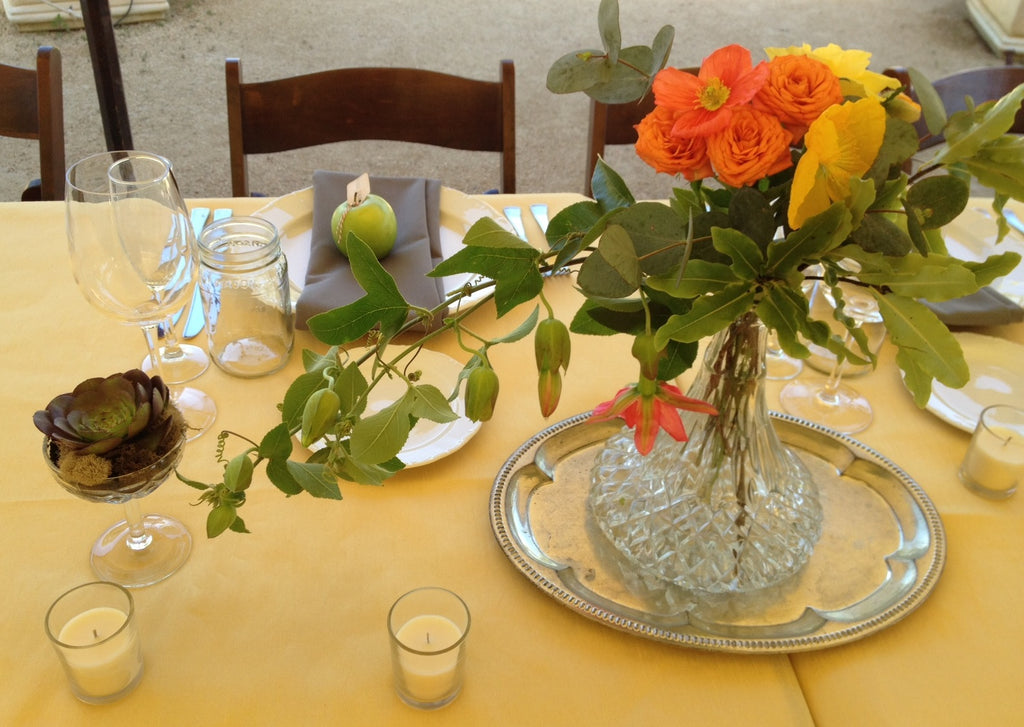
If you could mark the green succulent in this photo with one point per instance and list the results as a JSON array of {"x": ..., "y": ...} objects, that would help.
[{"x": 101, "y": 414}]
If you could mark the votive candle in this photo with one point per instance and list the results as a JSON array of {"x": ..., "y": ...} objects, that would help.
[{"x": 994, "y": 463}]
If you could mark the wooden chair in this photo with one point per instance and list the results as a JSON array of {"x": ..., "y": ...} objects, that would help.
[
  {"x": 613, "y": 124},
  {"x": 981, "y": 84},
  {"x": 392, "y": 104},
  {"x": 32, "y": 107}
]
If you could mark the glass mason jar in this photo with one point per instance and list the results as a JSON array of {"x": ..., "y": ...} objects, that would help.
[{"x": 243, "y": 278}]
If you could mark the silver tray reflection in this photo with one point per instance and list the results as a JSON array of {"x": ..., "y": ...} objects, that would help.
[{"x": 879, "y": 557}]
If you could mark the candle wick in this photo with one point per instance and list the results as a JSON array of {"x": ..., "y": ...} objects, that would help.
[
  {"x": 428, "y": 637},
  {"x": 95, "y": 635}
]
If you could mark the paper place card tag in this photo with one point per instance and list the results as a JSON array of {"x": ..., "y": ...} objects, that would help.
[{"x": 358, "y": 189}]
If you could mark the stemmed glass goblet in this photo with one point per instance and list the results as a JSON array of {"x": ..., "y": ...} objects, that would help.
[
  {"x": 132, "y": 255},
  {"x": 833, "y": 403}
]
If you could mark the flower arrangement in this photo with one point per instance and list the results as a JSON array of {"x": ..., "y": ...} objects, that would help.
[{"x": 797, "y": 169}]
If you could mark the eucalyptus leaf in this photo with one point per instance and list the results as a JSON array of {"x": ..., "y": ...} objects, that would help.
[
  {"x": 624, "y": 83},
  {"x": 938, "y": 199},
  {"x": 578, "y": 71},
  {"x": 608, "y": 25},
  {"x": 661, "y": 48},
  {"x": 878, "y": 234}
]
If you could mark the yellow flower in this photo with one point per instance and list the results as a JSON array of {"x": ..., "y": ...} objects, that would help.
[
  {"x": 851, "y": 66},
  {"x": 842, "y": 144}
]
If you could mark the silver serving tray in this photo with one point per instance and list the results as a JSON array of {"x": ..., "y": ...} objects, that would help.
[{"x": 880, "y": 555}]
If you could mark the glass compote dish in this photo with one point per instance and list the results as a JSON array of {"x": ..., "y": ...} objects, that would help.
[
  {"x": 116, "y": 440},
  {"x": 132, "y": 255}
]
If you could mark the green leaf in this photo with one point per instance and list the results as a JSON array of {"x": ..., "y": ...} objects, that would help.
[
  {"x": 609, "y": 189},
  {"x": 383, "y": 303},
  {"x": 219, "y": 519},
  {"x": 314, "y": 479},
  {"x": 604, "y": 318},
  {"x": 700, "y": 277},
  {"x": 624, "y": 82},
  {"x": 679, "y": 358},
  {"x": 281, "y": 477},
  {"x": 492, "y": 251},
  {"x": 350, "y": 385},
  {"x": 927, "y": 349},
  {"x": 751, "y": 213},
  {"x": 819, "y": 234},
  {"x": 608, "y": 25},
  {"x": 578, "y": 71},
  {"x": 381, "y": 436},
  {"x": 192, "y": 483},
  {"x": 277, "y": 443},
  {"x": 238, "y": 525},
  {"x": 368, "y": 474},
  {"x": 616, "y": 248},
  {"x": 661, "y": 48},
  {"x": 932, "y": 109},
  {"x": 781, "y": 309},
  {"x": 935, "y": 277},
  {"x": 709, "y": 315},
  {"x": 430, "y": 403},
  {"x": 658, "y": 236},
  {"x": 988, "y": 122},
  {"x": 747, "y": 258},
  {"x": 878, "y": 234},
  {"x": 994, "y": 266}
]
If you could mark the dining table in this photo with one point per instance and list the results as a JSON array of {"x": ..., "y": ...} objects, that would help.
[{"x": 287, "y": 624}]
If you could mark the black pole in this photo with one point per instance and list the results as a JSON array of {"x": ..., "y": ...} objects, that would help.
[{"x": 106, "y": 69}]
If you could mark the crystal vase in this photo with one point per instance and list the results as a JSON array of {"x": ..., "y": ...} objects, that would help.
[{"x": 732, "y": 509}]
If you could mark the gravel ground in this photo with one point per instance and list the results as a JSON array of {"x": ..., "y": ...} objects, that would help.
[{"x": 174, "y": 77}]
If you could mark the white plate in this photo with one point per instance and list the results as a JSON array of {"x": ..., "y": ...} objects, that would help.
[
  {"x": 996, "y": 378},
  {"x": 428, "y": 441},
  {"x": 292, "y": 215},
  {"x": 972, "y": 236}
]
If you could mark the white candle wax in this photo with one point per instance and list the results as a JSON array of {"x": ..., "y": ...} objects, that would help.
[
  {"x": 429, "y": 677},
  {"x": 109, "y": 660},
  {"x": 995, "y": 459}
]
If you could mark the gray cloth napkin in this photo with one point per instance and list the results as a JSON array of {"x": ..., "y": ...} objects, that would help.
[
  {"x": 987, "y": 307},
  {"x": 329, "y": 281}
]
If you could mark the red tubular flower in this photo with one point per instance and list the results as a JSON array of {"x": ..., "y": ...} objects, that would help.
[{"x": 647, "y": 413}]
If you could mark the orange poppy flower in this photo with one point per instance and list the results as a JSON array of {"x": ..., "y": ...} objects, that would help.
[
  {"x": 669, "y": 154},
  {"x": 754, "y": 146},
  {"x": 798, "y": 90},
  {"x": 726, "y": 80}
]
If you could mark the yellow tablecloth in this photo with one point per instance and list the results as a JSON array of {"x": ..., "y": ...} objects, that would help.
[{"x": 287, "y": 625}]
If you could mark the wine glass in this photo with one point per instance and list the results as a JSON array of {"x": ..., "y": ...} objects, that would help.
[
  {"x": 132, "y": 256},
  {"x": 132, "y": 253},
  {"x": 833, "y": 403}
]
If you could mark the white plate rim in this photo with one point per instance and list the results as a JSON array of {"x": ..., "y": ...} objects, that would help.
[{"x": 985, "y": 355}]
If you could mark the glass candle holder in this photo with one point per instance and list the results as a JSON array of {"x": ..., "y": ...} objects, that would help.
[
  {"x": 428, "y": 629},
  {"x": 994, "y": 463},
  {"x": 93, "y": 629}
]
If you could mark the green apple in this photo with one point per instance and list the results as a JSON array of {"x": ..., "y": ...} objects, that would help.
[{"x": 372, "y": 219}]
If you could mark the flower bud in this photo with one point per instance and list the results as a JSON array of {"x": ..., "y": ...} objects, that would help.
[
  {"x": 551, "y": 345},
  {"x": 549, "y": 390},
  {"x": 481, "y": 393},
  {"x": 238, "y": 473},
  {"x": 648, "y": 354},
  {"x": 319, "y": 415}
]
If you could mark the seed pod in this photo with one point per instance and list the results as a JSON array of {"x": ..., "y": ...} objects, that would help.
[
  {"x": 551, "y": 345},
  {"x": 549, "y": 390},
  {"x": 319, "y": 415},
  {"x": 481, "y": 393}
]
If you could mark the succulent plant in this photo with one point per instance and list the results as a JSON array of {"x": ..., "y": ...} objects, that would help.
[{"x": 101, "y": 414}]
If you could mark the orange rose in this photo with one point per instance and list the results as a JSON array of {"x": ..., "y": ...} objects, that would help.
[
  {"x": 753, "y": 146},
  {"x": 668, "y": 154},
  {"x": 798, "y": 90}
]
